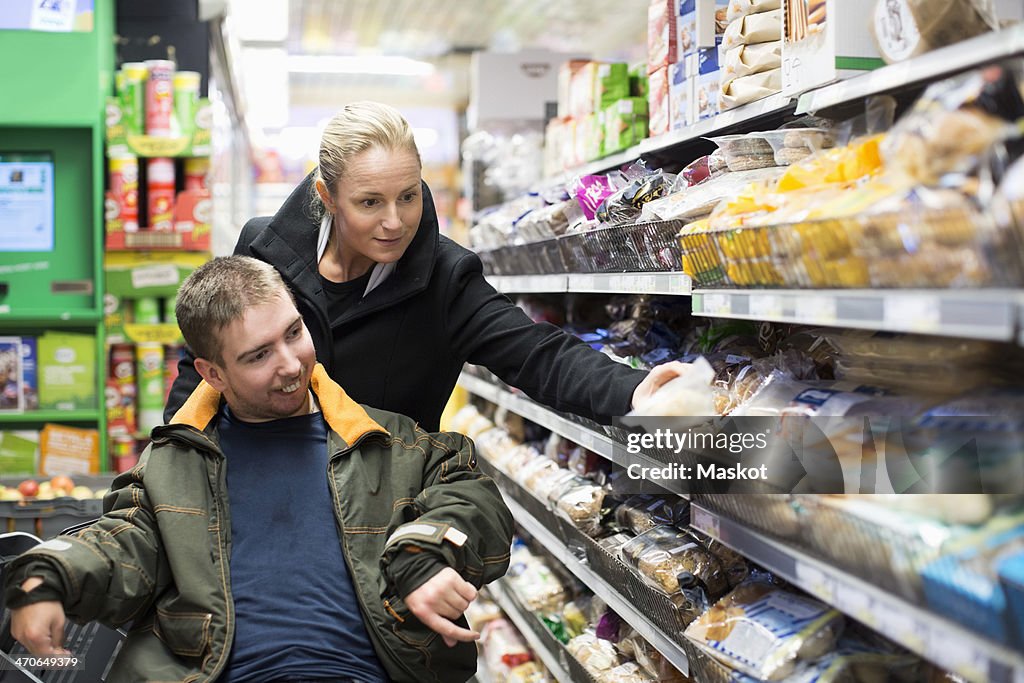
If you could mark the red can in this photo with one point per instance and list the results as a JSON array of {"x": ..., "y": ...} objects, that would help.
[
  {"x": 159, "y": 97},
  {"x": 196, "y": 170},
  {"x": 122, "y": 372},
  {"x": 124, "y": 187},
  {"x": 160, "y": 193}
]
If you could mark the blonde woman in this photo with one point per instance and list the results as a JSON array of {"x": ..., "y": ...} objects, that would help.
[{"x": 394, "y": 308}]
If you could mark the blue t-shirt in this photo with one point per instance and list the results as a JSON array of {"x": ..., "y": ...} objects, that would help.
[{"x": 295, "y": 606}]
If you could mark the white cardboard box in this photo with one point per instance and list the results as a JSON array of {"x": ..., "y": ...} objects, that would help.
[
  {"x": 826, "y": 40},
  {"x": 513, "y": 86}
]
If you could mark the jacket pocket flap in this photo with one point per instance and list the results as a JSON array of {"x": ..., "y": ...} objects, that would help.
[{"x": 185, "y": 634}]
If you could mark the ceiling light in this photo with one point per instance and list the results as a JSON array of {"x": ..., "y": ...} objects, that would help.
[{"x": 358, "y": 64}]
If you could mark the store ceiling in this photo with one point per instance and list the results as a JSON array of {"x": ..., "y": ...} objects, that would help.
[{"x": 445, "y": 32}]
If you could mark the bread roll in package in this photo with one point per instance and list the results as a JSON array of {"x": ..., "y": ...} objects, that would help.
[
  {"x": 749, "y": 88},
  {"x": 744, "y": 60},
  {"x": 765, "y": 27},
  {"x": 906, "y": 28},
  {"x": 765, "y": 631}
]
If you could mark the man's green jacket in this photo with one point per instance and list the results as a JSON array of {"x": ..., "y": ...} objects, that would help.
[{"x": 407, "y": 504}]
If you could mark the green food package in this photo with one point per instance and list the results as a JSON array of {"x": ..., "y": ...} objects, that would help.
[
  {"x": 611, "y": 84},
  {"x": 18, "y": 453},
  {"x": 67, "y": 371},
  {"x": 625, "y": 124}
]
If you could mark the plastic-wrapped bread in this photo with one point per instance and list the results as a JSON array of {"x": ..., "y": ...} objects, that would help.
[
  {"x": 740, "y": 8},
  {"x": 664, "y": 552},
  {"x": 582, "y": 505},
  {"x": 749, "y": 89},
  {"x": 596, "y": 655},
  {"x": 744, "y": 60},
  {"x": 643, "y": 512},
  {"x": 763, "y": 27},
  {"x": 630, "y": 672},
  {"x": 765, "y": 631}
]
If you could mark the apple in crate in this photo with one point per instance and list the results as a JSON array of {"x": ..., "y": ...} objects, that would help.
[
  {"x": 29, "y": 488},
  {"x": 81, "y": 492},
  {"x": 62, "y": 485}
]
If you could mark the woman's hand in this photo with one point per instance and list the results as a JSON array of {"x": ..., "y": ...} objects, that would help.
[{"x": 655, "y": 379}]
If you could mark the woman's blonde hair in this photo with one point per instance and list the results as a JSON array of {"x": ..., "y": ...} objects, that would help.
[{"x": 355, "y": 129}]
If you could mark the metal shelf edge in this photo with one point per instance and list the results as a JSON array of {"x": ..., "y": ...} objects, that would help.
[{"x": 498, "y": 592}]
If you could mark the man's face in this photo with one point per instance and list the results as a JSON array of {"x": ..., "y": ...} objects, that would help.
[{"x": 267, "y": 360}]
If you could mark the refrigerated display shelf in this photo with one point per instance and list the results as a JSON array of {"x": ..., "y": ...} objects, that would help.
[
  {"x": 597, "y": 442},
  {"x": 669, "y": 282},
  {"x": 928, "y": 635},
  {"x": 601, "y": 588},
  {"x": 977, "y": 314},
  {"x": 948, "y": 60},
  {"x": 548, "y": 650}
]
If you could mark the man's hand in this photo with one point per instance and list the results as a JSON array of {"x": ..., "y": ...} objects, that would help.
[
  {"x": 655, "y": 379},
  {"x": 39, "y": 626},
  {"x": 442, "y": 600}
]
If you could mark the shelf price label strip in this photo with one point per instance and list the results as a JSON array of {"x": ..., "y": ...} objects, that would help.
[
  {"x": 619, "y": 604},
  {"x": 930, "y": 636}
]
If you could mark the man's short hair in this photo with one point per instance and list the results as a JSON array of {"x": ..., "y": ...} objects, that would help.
[{"x": 218, "y": 293}]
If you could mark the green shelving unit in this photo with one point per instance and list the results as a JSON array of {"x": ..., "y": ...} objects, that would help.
[{"x": 54, "y": 93}]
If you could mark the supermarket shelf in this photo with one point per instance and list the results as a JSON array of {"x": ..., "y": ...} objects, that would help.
[
  {"x": 33, "y": 416},
  {"x": 942, "y": 62},
  {"x": 670, "y": 282},
  {"x": 623, "y": 607},
  {"x": 598, "y": 442},
  {"x": 976, "y": 314},
  {"x": 943, "y": 642},
  {"x": 775, "y": 104},
  {"x": 546, "y": 651},
  {"x": 49, "y": 318}
]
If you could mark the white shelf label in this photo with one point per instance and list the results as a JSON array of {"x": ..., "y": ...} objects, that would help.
[
  {"x": 912, "y": 312},
  {"x": 815, "y": 308},
  {"x": 645, "y": 284},
  {"x": 956, "y": 654},
  {"x": 766, "y": 306},
  {"x": 154, "y": 276},
  {"x": 585, "y": 439},
  {"x": 678, "y": 283},
  {"x": 702, "y": 520},
  {"x": 906, "y": 629},
  {"x": 816, "y": 582},
  {"x": 584, "y": 283},
  {"x": 717, "y": 304}
]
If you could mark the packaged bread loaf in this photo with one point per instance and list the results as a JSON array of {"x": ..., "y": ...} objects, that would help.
[
  {"x": 664, "y": 552},
  {"x": 630, "y": 672},
  {"x": 582, "y": 505},
  {"x": 738, "y": 9},
  {"x": 906, "y": 28},
  {"x": 763, "y": 27},
  {"x": 749, "y": 89},
  {"x": 744, "y": 60},
  {"x": 596, "y": 655},
  {"x": 643, "y": 512},
  {"x": 765, "y": 631}
]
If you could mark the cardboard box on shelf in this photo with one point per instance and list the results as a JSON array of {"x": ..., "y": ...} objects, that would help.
[
  {"x": 581, "y": 91},
  {"x": 29, "y": 374},
  {"x": 661, "y": 34},
  {"x": 67, "y": 371},
  {"x": 12, "y": 391},
  {"x": 657, "y": 100},
  {"x": 19, "y": 452},
  {"x": 68, "y": 450},
  {"x": 680, "y": 89},
  {"x": 825, "y": 40},
  {"x": 625, "y": 124},
  {"x": 711, "y": 22},
  {"x": 611, "y": 84},
  {"x": 708, "y": 79},
  {"x": 565, "y": 74},
  {"x": 686, "y": 29}
]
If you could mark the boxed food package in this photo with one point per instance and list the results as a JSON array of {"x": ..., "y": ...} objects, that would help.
[
  {"x": 67, "y": 371},
  {"x": 29, "y": 374},
  {"x": 565, "y": 74},
  {"x": 581, "y": 91},
  {"x": 657, "y": 99},
  {"x": 591, "y": 137},
  {"x": 19, "y": 453},
  {"x": 11, "y": 383},
  {"x": 964, "y": 585},
  {"x": 68, "y": 450},
  {"x": 1011, "y": 577},
  {"x": 625, "y": 124},
  {"x": 661, "y": 34},
  {"x": 638, "y": 80},
  {"x": 825, "y": 40},
  {"x": 686, "y": 28},
  {"x": 711, "y": 22},
  {"x": 611, "y": 84},
  {"x": 708, "y": 79},
  {"x": 680, "y": 95}
]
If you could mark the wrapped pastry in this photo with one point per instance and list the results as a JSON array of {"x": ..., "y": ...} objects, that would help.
[
  {"x": 738, "y": 9},
  {"x": 664, "y": 553},
  {"x": 763, "y": 27},
  {"x": 596, "y": 655},
  {"x": 653, "y": 663},
  {"x": 643, "y": 512},
  {"x": 745, "y": 60},
  {"x": 750, "y": 88},
  {"x": 582, "y": 506},
  {"x": 765, "y": 631},
  {"x": 630, "y": 672}
]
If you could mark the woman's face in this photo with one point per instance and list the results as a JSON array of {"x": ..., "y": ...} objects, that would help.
[{"x": 378, "y": 205}]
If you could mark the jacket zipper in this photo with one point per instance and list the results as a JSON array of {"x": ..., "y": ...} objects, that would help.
[{"x": 348, "y": 562}]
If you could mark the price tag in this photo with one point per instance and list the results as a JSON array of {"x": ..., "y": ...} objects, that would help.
[
  {"x": 585, "y": 439},
  {"x": 702, "y": 520},
  {"x": 717, "y": 304},
  {"x": 766, "y": 306},
  {"x": 816, "y": 582},
  {"x": 644, "y": 284},
  {"x": 957, "y": 655},
  {"x": 815, "y": 308},
  {"x": 618, "y": 283},
  {"x": 584, "y": 283},
  {"x": 912, "y": 312},
  {"x": 155, "y": 276},
  {"x": 856, "y": 603},
  {"x": 679, "y": 283},
  {"x": 904, "y": 628}
]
